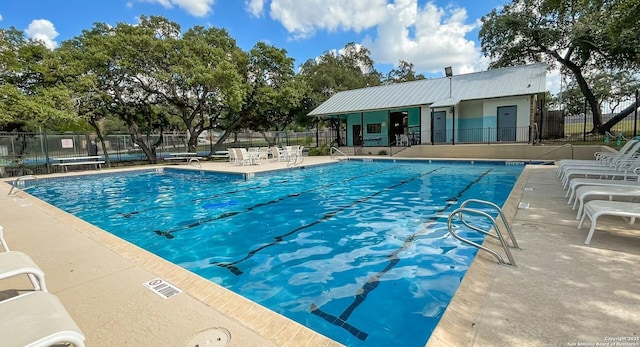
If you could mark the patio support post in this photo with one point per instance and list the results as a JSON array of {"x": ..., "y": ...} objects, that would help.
[{"x": 453, "y": 125}]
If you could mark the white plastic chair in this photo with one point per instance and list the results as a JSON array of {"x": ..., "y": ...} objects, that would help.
[
  {"x": 13, "y": 263},
  {"x": 37, "y": 319}
]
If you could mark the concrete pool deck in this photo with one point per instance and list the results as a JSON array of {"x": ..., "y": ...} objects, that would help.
[{"x": 562, "y": 292}]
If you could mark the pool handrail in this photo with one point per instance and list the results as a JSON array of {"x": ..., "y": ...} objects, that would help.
[
  {"x": 553, "y": 150},
  {"x": 498, "y": 235},
  {"x": 500, "y": 214},
  {"x": 333, "y": 150},
  {"x": 20, "y": 182}
]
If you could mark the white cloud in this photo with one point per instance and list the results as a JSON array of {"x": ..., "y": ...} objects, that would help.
[
  {"x": 197, "y": 8},
  {"x": 43, "y": 30},
  {"x": 164, "y": 3},
  {"x": 429, "y": 37},
  {"x": 0, "y": 17},
  {"x": 255, "y": 7},
  {"x": 304, "y": 18}
]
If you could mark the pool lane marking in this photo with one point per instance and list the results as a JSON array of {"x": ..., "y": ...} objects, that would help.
[
  {"x": 198, "y": 200},
  {"x": 169, "y": 234},
  {"x": 373, "y": 281},
  {"x": 278, "y": 239}
]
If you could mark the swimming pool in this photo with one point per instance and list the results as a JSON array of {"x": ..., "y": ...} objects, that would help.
[{"x": 356, "y": 251}]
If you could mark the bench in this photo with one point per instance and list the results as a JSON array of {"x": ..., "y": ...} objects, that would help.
[
  {"x": 220, "y": 155},
  {"x": 188, "y": 157},
  {"x": 69, "y": 161}
]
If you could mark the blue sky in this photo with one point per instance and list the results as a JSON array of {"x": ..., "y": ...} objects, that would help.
[{"x": 429, "y": 34}]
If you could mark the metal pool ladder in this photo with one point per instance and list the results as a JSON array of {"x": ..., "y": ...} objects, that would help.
[
  {"x": 334, "y": 150},
  {"x": 20, "y": 183},
  {"x": 498, "y": 235}
]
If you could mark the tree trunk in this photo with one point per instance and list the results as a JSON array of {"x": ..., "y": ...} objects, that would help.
[
  {"x": 100, "y": 136},
  {"x": 149, "y": 151},
  {"x": 584, "y": 88},
  {"x": 617, "y": 118},
  {"x": 226, "y": 134},
  {"x": 588, "y": 95}
]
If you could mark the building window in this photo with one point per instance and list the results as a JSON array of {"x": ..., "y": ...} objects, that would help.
[{"x": 374, "y": 128}]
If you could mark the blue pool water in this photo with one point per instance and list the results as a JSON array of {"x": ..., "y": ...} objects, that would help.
[{"x": 358, "y": 251}]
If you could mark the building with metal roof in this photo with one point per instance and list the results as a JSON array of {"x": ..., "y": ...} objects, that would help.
[{"x": 498, "y": 105}]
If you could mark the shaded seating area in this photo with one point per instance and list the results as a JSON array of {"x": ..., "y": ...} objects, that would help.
[{"x": 32, "y": 317}]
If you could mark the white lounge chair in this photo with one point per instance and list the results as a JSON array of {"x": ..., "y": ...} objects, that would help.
[
  {"x": 612, "y": 193},
  {"x": 2, "y": 241},
  {"x": 624, "y": 170},
  {"x": 604, "y": 161},
  {"x": 13, "y": 263},
  {"x": 630, "y": 147},
  {"x": 37, "y": 319},
  {"x": 579, "y": 182},
  {"x": 596, "y": 208}
]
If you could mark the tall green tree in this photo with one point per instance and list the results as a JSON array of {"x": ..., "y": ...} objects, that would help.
[
  {"x": 32, "y": 95},
  {"x": 403, "y": 73},
  {"x": 334, "y": 72},
  {"x": 274, "y": 93},
  {"x": 567, "y": 32},
  {"x": 199, "y": 75},
  {"x": 85, "y": 66}
]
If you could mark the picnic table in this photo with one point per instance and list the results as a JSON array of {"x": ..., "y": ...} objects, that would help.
[{"x": 65, "y": 162}]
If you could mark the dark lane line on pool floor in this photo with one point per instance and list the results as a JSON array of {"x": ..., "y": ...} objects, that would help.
[
  {"x": 169, "y": 234},
  {"x": 198, "y": 200},
  {"x": 278, "y": 239},
  {"x": 373, "y": 281}
]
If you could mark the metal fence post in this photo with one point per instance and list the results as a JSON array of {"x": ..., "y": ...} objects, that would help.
[
  {"x": 46, "y": 149},
  {"x": 584, "y": 128},
  {"x": 635, "y": 116}
]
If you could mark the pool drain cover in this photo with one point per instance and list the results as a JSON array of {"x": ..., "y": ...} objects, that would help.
[{"x": 214, "y": 337}]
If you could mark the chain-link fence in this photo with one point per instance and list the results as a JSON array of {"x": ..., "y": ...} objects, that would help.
[{"x": 23, "y": 153}]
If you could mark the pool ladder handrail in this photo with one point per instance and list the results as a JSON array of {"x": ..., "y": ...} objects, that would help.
[
  {"x": 333, "y": 150},
  {"x": 20, "y": 179},
  {"x": 498, "y": 234},
  {"x": 293, "y": 160},
  {"x": 551, "y": 151}
]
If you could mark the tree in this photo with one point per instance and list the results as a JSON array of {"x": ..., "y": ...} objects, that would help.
[
  {"x": 31, "y": 96},
  {"x": 274, "y": 93},
  {"x": 83, "y": 65},
  {"x": 619, "y": 27},
  {"x": 333, "y": 72},
  {"x": 556, "y": 31},
  {"x": 199, "y": 76},
  {"x": 609, "y": 88},
  {"x": 404, "y": 73}
]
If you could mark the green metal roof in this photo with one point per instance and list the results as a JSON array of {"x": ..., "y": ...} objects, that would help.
[{"x": 496, "y": 83}]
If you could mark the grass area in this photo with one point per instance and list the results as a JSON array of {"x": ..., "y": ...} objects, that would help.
[{"x": 626, "y": 126}]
